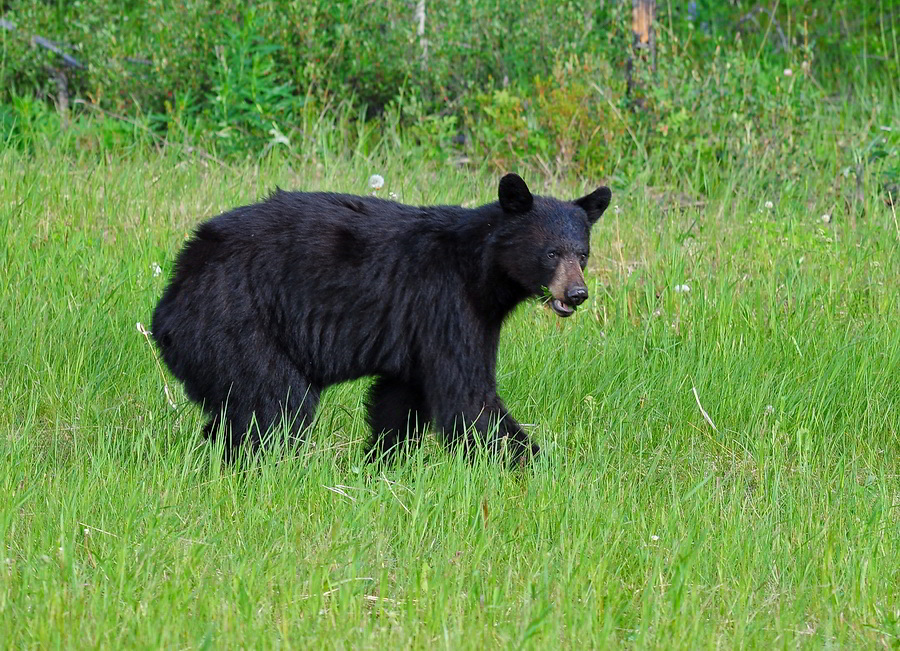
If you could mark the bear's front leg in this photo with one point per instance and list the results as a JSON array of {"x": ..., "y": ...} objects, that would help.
[
  {"x": 460, "y": 388},
  {"x": 485, "y": 421},
  {"x": 509, "y": 437}
]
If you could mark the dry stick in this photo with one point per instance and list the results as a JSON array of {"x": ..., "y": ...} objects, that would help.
[
  {"x": 703, "y": 411},
  {"x": 339, "y": 492},
  {"x": 620, "y": 245},
  {"x": 894, "y": 213},
  {"x": 146, "y": 333}
]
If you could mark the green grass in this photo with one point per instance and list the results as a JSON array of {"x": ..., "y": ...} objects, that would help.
[{"x": 641, "y": 526}]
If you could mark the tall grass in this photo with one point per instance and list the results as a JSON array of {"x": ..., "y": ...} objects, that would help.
[{"x": 771, "y": 521}]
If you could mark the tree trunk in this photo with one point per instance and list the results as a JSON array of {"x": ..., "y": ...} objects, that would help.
[
  {"x": 420, "y": 30},
  {"x": 643, "y": 43}
]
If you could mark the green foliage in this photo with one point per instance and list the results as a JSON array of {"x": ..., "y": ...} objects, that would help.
[
  {"x": 565, "y": 122},
  {"x": 247, "y": 95},
  {"x": 526, "y": 84},
  {"x": 730, "y": 108}
]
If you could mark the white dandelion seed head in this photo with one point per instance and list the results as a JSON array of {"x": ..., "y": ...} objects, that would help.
[
  {"x": 769, "y": 205},
  {"x": 376, "y": 181},
  {"x": 826, "y": 218}
]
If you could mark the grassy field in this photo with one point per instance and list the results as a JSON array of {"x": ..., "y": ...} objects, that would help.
[{"x": 772, "y": 521}]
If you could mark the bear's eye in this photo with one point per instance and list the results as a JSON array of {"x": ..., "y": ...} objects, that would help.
[{"x": 551, "y": 254}]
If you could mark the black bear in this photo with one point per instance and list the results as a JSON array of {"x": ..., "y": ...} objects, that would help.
[{"x": 273, "y": 302}]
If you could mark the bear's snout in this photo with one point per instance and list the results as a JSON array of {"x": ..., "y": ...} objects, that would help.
[
  {"x": 567, "y": 287},
  {"x": 576, "y": 295}
]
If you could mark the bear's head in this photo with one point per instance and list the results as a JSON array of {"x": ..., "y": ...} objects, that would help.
[{"x": 545, "y": 242}]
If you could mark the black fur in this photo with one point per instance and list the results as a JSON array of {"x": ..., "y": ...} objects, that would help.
[{"x": 273, "y": 302}]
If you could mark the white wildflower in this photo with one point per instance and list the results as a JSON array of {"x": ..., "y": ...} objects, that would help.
[
  {"x": 654, "y": 538},
  {"x": 376, "y": 182},
  {"x": 392, "y": 196},
  {"x": 157, "y": 270},
  {"x": 682, "y": 289},
  {"x": 788, "y": 72},
  {"x": 826, "y": 218},
  {"x": 769, "y": 205},
  {"x": 769, "y": 410}
]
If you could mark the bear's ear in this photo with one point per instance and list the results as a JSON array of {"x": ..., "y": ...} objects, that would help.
[
  {"x": 595, "y": 203},
  {"x": 515, "y": 197}
]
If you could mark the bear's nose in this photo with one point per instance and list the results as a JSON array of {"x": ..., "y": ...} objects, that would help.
[{"x": 576, "y": 295}]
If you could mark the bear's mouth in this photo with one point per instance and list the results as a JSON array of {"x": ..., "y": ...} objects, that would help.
[{"x": 561, "y": 308}]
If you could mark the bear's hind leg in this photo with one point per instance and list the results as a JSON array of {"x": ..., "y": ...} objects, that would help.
[
  {"x": 284, "y": 408},
  {"x": 397, "y": 413},
  {"x": 272, "y": 394},
  {"x": 217, "y": 426},
  {"x": 229, "y": 420}
]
